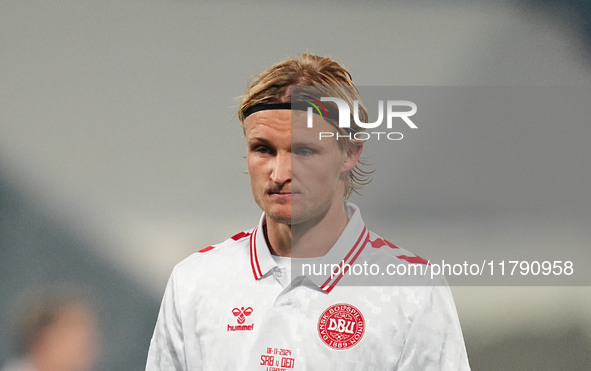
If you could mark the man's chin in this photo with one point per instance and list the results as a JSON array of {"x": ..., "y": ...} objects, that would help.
[
  {"x": 280, "y": 218},
  {"x": 288, "y": 217}
]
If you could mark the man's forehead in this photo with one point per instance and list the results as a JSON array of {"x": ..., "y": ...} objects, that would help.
[
  {"x": 287, "y": 123},
  {"x": 278, "y": 117},
  {"x": 267, "y": 125},
  {"x": 293, "y": 118}
]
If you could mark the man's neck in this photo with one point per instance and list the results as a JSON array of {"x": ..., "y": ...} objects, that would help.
[
  {"x": 278, "y": 237},
  {"x": 309, "y": 239}
]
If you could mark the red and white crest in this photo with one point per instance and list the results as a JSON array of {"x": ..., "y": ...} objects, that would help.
[{"x": 341, "y": 326}]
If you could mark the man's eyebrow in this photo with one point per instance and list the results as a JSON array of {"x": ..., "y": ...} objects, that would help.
[{"x": 258, "y": 140}]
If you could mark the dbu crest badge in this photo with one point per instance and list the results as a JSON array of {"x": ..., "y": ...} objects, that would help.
[{"x": 341, "y": 326}]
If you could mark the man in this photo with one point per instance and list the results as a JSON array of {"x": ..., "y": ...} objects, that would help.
[{"x": 234, "y": 306}]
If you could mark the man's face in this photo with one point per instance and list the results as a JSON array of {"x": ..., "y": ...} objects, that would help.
[{"x": 294, "y": 176}]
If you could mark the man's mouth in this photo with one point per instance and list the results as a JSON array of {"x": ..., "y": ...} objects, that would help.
[{"x": 281, "y": 193}]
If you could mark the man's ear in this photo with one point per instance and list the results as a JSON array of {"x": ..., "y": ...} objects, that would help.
[{"x": 352, "y": 156}]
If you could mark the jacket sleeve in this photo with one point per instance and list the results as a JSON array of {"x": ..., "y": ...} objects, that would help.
[
  {"x": 167, "y": 348},
  {"x": 435, "y": 340}
]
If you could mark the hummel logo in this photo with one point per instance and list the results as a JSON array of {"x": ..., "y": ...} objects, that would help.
[{"x": 242, "y": 313}]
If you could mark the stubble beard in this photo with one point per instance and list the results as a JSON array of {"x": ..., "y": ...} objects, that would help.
[{"x": 276, "y": 217}]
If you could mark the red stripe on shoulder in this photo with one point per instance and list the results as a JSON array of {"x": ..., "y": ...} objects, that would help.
[
  {"x": 240, "y": 235},
  {"x": 378, "y": 242},
  {"x": 206, "y": 249},
  {"x": 413, "y": 259}
]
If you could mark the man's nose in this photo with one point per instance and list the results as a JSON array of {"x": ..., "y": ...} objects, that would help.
[{"x": 281, "y": 168}]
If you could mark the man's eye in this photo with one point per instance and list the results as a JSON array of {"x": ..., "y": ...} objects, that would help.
[
  {"x": 264, "y": 150},
  {"x": 304, "y": 152}
]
